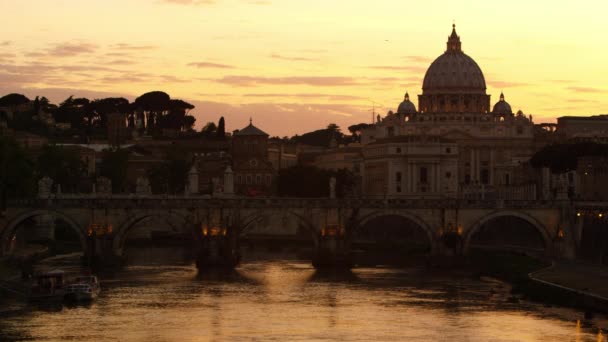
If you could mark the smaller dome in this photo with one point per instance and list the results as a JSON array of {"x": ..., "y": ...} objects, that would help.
[
  {"x": 406, "y": 107},
  {"x": 502, "y": 106}
]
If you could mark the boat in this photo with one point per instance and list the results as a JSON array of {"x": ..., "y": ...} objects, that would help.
[
  {"x": 83, "y": 288},
  {"x": 48, "y": 286}
]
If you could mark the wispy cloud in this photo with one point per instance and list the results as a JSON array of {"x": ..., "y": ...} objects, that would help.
[
  {"x": 418, "y": 59},
  {"x": 69, "y": 49},
  {"x": 506, "y": 84},
  {"x": 132, "y": 47},
  {"x": 203, "y": 65},
  {"x": 410, "y": 68},
  {"x": 5, "y": 43},
  {"x": 189, "y": 2},
  {"x": 339, "y": 97},
  {"x": 586, "y": 90},
  {"x": 293, "y": 59},
  {"x": 301, "y": 80}
]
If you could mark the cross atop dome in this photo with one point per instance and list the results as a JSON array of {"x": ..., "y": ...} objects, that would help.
[{"x": 454, "y": 44}]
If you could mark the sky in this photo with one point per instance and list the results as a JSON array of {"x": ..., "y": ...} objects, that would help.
[{"x": 298, "y": 65}]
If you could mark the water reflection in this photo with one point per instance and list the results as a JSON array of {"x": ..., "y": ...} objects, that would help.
[{"x": 282, "y": 299}]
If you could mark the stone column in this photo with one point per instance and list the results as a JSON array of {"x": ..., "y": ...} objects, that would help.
[
  {"x": 192, "y": 187},
  {"x": 472, "y": 166},
  {"x": 228, "y": 181}
]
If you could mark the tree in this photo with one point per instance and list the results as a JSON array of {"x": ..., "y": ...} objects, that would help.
[
  {"x": 564, "y": 157},
  {"x": 61, "y": 164},
  {"x": 209, "y": 130},
  {"x": 189, "y": 121},
  {"x": 114, "y": 166},
  {"x": 221, "y": 128},
  {"x": 100, "y": 109},
  {"x": 12, "y": 100},
  {"x": 16, "y": 172},
  {"x": 170, "y": 176},
  {"x": 309, "y": 181}
]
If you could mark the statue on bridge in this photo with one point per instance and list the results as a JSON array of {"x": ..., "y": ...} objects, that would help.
[
  {"x": 142, "y": 186},
  {"x": 45, "y": 187},
  {"x": 103, "y": 186}
]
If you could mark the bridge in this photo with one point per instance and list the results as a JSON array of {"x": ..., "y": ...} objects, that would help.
[{"x": 450, "y": 225}]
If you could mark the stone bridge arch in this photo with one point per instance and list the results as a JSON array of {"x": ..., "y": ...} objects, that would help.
[
  {"x": 365, "y": 219},
  {"x": 9, "y": 230},
  {"x": 538, "y": 225},
  {"x": 174, "y": 219},
  {"x": 249, "y": 221}
]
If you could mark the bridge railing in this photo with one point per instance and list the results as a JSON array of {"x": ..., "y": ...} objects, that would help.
[{"x": 176, "y": 201}]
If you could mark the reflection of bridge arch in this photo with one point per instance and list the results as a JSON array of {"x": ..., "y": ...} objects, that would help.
[
  {"x": 10, "y": 229},
  {"x": 173, "y": 219},
  {"x": 540, "y": 228},
  {"x": 421, "y": 224}
]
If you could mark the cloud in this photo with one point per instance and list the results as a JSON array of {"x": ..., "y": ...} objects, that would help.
[
  {"x": 203, "y": 65},
  {"x": 562, "y": 81},
  {"x": 131, "y": 47},
  {"x": 121, "y": 62},
  {"x": 417, "y": 69},
  {"x": 5, "y": 43},
  {"x": 189, "y": 2},
  {"x": 583, "y": 101},
  {"x": 247, "y": 81},
  {"x": 338, "y": 97},
  {"x": 293, "y": 59},
  {"x": 505, "y": 84},
  {"x": 71, "y": 49},
  {"x": 418, "y": 59},
  {"x": 586, "y": 90}
]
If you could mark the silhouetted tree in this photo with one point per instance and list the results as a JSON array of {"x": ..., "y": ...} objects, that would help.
[
  {"x": 209, "y": 130},
  {"x": 16, "y": 171},
  {"x": 221, "y": 128},
  {"x": 11, "y": 100},
  {"x": 114, "y": 165},
  {"x": 61, "y": 164}
]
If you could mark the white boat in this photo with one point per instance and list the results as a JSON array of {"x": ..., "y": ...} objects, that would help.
[{"x": 84, "y": 288}]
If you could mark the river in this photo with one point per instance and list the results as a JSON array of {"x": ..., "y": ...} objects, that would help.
[{"x": 160, "y": 297}]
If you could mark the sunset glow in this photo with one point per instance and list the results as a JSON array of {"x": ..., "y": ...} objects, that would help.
[{"x": 297, "y": 65}]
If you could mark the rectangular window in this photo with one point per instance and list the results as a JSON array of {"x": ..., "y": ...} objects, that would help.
[
  {"x": 507, "y": 179},
  {"x": 398, "y": 176},
  {"x": 423, "y": 175},
  {"x": 398, "y": 188},
  {"x": 248, "y": 179},
  {"x": 485, "y": 176},
  {"x": 239, "y": 179},
  {"x": 258, "y": 179},
  {"x": 390, "y": 131},
  {"x": 268, "y": 179},
  {"x": 448, "y": 175}
]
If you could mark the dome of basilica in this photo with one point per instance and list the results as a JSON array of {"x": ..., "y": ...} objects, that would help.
[
  {"x": 502, "y": 106},
  {"x": 406, "y": 107},
  {"x": 454, "y": 72}
]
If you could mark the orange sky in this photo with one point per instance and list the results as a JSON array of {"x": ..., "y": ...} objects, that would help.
[{"x": 298, "y": 65}]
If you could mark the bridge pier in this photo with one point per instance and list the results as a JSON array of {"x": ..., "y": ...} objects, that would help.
[
  {"x": 99, "y": 252},
  {"x": 216, "y": 247},
  {"x": 333, "y": 250}
]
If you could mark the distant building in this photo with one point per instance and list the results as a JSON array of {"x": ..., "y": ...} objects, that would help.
[
  {"x": 254, "y": 174},
  {"x": 118, "y": 133},
  {"x": 595, "y": 126}
]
